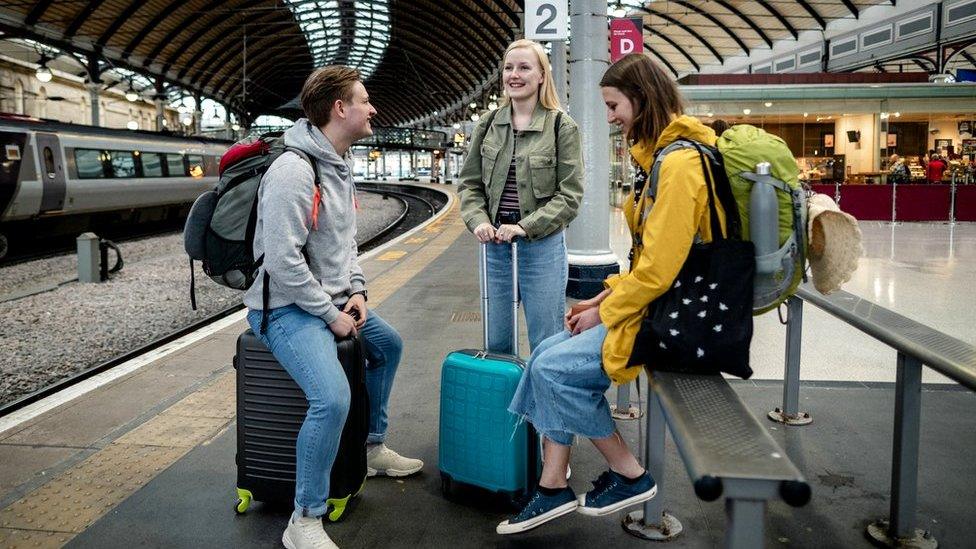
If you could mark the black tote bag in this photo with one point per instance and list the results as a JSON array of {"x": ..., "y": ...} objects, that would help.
[{"x": 703, "y": 323}]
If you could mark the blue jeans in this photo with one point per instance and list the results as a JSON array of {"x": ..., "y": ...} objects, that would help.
[
  {"x": 562, "y": 390},
  {"x": 542, "y": 276},
  {"x": 306, "y": 349}
]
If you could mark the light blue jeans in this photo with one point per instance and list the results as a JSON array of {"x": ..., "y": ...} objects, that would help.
[
  {"x": 306, "y": 349},
  {"x": 542, "y": 275},
  {"x": 562, "y": 390}
]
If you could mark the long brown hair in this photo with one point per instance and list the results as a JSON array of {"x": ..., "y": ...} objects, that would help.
[{"x": 653, "y": 95}]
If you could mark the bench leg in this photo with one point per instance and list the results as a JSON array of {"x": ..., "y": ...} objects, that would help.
[
  {"x": 900, "y": 529},
  {"x": 789, "y": 413},
  {"x": 662, "y": 526},
  {"x": 745, "y": 521},
  {"x": 623, "y": 409}
]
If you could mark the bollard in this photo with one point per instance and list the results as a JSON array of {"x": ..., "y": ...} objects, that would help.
[{"x": 88, "y": 255}]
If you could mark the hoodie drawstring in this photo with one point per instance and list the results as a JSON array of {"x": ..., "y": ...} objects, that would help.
[{"x": 316, "y": 198}]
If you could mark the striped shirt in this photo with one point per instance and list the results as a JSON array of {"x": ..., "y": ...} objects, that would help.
[{"x": 509, "y": 203}]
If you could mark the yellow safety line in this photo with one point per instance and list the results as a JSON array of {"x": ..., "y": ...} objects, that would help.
[{"x": 54, "y": 513}]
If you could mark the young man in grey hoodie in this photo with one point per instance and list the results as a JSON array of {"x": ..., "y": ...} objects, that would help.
[{"x": 318, "y": 292}]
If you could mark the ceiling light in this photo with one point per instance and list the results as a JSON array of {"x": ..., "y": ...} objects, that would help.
[
  {"x": 235, "y": 127},
  {"x": 492, "y": 106},
  {"x": 897, "y": 115},
  {"x": 457, "y": 125},
  {"x": 131, "y": 94},
  {"x": 710, "y": 114},
  {"x": 132, "y": 125},
  {"x": 475, "y": 117},
  {"x": 619, "y": 10},
  {"x": 746, "y": 111},
  {"x": 806, "y": 114},
  {"x": 187, "y": 121},
  {"x": 768, "y": 103},
  {"x": 43, "y": 73},
  {"x": 473, "y": 105}
]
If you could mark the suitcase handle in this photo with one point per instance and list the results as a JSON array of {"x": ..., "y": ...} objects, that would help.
[{"x": 483, "y": 272}]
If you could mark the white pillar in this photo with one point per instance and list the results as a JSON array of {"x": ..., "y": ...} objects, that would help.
[
  {"x": 591, "y": 259},
  {"x": 558, "y": 60},
  {"x": 159, "y": 114}
]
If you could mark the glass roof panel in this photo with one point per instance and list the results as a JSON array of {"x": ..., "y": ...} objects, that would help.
[{"x": 324, "y": 24}]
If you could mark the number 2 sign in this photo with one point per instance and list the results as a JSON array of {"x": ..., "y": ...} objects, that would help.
[{"x": 546, "y": 19}]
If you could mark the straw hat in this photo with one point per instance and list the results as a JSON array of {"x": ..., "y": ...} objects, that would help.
[{"x": 834, "y": 243}]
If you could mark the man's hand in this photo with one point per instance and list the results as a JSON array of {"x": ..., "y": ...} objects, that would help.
[
  {"x": 343, "y": 325},
  {"x": 484, "y": 232},
  {"x": 506, "y": 233},
  {"x": 584, "y": 321},
  {"x": 356, "y": 307}
]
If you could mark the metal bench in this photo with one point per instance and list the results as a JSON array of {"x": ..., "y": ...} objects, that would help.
[
  {"x": 726, "y": 451},
  {"x": 917, "y": 345}
]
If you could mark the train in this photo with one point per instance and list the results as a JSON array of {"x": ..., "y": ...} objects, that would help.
[{"x": 61, "y": 179}]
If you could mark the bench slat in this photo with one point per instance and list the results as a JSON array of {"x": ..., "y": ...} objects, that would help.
[
  {"x": 716, "y": 434},
  {"x": 947, "y": 355}
]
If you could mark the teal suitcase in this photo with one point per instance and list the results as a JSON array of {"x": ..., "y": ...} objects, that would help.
[{"x": 481, "y": 443}]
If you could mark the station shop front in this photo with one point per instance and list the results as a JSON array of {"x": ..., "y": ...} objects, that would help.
[{"x": 845, "y": 136}]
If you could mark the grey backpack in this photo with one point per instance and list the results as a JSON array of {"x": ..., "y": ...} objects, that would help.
[{"x": 219, "y": 229}]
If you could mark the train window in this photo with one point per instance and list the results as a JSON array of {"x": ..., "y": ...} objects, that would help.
[
  {"x": 49, "y": 163},
  {"x": 152, "y": 165},
  {"x": 196, "y": 165},
  {"x": 89, "y": 163},
  {"x": 123, "y": 163},
  {"x": 174, "y": 162}
]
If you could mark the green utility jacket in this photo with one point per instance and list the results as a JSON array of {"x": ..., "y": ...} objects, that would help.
[{"x": 550, "y": 190}]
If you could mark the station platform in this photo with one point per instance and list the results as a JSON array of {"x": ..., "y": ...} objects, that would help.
[{"x": 147, "y": 459}]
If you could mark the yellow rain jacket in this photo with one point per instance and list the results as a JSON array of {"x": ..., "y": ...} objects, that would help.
[{"x": 680, "y": 212}]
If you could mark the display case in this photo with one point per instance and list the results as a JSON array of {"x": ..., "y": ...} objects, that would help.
[{"x": 821, "y": 169}]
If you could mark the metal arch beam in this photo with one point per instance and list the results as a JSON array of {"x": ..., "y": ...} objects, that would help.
[
  {"x": 779, "y": 17},
  {"x": 960, "y": 47},
  {"x": 813, "y": 13},
  {"x": 36, "y": 12},
  {"x": 208, "y": 48},
  {"x": 662, "y": 59},
  {"x": 968, "y": 57},
  {"x": 257, "y": 62},
  {"x": 128, "y": 12},
  {"x": 685, "y": 28},
  {"x": 499, "y": 35},
  {"x": 715, "y": 21},
  {"x": 752, "y": 24},
  {"x": 183, "y": 26},
  {"x": 674, "y": 45},
  {"x": 137, "y": 40},
  {"x": 226, "y": 54},
  {"x": 493, "y": 14},
  {"x": 80, "y": 19},
  {"x": 460, "y": 86},
  {"x": 487, "y": 63},
  {"x": 203, "y": 30},
  {"x": 853, "y": 8}
]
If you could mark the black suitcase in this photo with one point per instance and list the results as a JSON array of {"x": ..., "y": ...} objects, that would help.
[{"x": 270, "y": 410}]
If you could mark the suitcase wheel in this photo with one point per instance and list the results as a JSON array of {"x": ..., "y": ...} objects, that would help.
[
  {"x": 244, "y": 498},
  {"x": 338, "y": 506}
]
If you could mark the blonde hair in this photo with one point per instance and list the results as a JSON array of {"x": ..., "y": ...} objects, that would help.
[{"x": 547, "y": 90}]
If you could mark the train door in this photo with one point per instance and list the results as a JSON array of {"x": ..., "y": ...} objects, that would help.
[{"x": 52, "y": 171}]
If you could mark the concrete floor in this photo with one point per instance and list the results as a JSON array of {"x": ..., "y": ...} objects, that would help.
[{"x": 845, "y": 453}]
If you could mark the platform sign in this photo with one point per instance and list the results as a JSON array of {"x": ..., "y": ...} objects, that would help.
[
  {"x": 547, "y": 20},
  {"x": 626, "y": 37}
]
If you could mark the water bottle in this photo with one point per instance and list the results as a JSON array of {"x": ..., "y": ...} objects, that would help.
[{"x": 763, "y": 215}]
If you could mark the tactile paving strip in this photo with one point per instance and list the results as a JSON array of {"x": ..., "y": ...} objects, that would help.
[{"x": 18, "y": 539}]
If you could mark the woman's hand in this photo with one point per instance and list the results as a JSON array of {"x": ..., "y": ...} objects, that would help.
[
  {"x": 584, "y": 305},
  {"x": 484, "y": 233},
  {"x": 507, "y": 233},
  {"x": 584, "y": 321}
]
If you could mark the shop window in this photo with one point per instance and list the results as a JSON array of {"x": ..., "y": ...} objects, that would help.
[
  {"x": 785, "y": 65},
  {"x": 810, "y": 58},
  {"x": 89, "y": 164},
  {"x": 875, "y": 39},
  {"x": 915, "y": 27},
  {"x": 847, "y": 47},
  {"x": 958, "y": 13}
]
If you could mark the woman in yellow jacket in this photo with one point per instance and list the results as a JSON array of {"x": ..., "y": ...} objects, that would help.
[{"x": 562, "y": 390}]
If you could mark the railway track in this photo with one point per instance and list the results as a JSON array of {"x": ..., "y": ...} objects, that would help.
[{"x": 421, "y": 204}]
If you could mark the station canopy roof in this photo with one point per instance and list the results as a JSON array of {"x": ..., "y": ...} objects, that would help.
[{"x": 418, "y": 56}]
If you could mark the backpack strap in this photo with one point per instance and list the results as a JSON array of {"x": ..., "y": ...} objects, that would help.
[{"x": 193, "y": 287}]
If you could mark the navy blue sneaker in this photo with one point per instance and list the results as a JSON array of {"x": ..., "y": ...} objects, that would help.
[
  {"x": 611, "y": 493},
  {"x": 539, "y": 510}
]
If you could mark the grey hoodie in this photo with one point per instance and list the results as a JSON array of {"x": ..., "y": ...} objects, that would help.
[{"x": 323, "y": 283}]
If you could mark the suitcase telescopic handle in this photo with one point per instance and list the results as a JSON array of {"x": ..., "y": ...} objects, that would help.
[{"x": 483, "y": 271}]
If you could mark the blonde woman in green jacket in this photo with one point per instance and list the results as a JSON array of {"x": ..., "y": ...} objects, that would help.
[{"x": 522, "y": 179}]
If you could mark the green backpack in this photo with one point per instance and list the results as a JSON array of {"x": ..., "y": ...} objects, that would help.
[{"x": 762, "y": 172}]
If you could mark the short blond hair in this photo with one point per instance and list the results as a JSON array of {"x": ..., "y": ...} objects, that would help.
[
  {"x": 547, "y": 91},
  {"x": 323, "y": 88}
]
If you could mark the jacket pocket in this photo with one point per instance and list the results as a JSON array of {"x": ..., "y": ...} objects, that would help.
[
  {"x": 543, "y": 170},
  {"x": 488, "y": 156}
]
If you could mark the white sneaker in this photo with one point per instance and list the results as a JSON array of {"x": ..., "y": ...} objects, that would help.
[
  {"x": 380, "y": 460},
  {"x": 306, "y": 533}
]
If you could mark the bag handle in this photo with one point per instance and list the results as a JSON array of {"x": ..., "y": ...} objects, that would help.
[
  {"x": 483, "y": 272},
  {"x": 717, "y": 231}
]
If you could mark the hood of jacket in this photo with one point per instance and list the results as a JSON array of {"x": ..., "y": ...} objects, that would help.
[
  {"x": 684, "y": 126},
  {"x": 305, "y": 136}
]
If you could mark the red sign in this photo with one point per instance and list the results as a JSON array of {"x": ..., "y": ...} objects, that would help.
[{"x": 626, "y": 37}]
